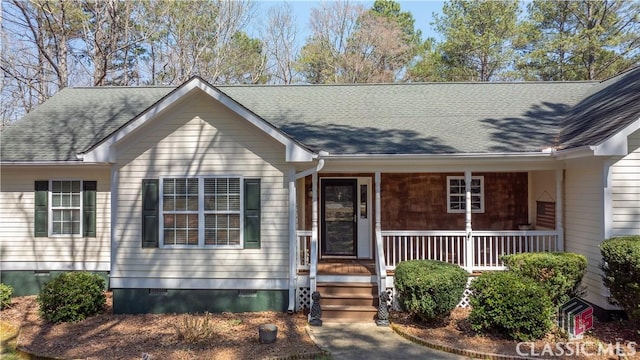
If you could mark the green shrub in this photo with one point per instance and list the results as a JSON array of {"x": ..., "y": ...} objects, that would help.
[
  {"x": 559, "y": 273},
  {"x": 429, "y": 289},
  {"x": 5, "y": 295},
  {"x": 621, "y": 273},
  {"x": 515, "y": 306},
  {"x": 72, "y": 296}
]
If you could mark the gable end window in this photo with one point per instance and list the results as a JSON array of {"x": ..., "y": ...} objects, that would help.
[
  {"x": 65, "y": 208},
  {"x": 456, "y": 197},
  {"x": 212, "y": 212}
]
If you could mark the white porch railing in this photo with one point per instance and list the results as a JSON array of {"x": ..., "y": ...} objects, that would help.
[
  {"x": 304, "y": 252},
  {"x": 451, "y": 246},
  {"x": 445, "y": 246},
  {"x": 490, "y": 245}
]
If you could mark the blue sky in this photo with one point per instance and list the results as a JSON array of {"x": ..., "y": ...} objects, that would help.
[{"x": 422, "y": 11}]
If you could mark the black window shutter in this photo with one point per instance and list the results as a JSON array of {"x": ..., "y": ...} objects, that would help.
[
  {"x": 41, "y": 200},
  {"x": 89, "y": 207},
  {"x": 252, "y": 213},
  {"x": 150, "y": 213}
]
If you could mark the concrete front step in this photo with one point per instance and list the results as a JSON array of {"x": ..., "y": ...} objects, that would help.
[{"x": 346, "y": 313}]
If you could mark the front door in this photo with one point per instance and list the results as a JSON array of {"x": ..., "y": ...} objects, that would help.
[{"x": 338, "y": 203}]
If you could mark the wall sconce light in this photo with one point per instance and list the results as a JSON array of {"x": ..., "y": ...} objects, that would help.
[{"x": 309, "y": 192}]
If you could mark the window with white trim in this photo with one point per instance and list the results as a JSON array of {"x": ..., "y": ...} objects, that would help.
[
  {"x": 456, "y": 197},
  {"x": 66, "y": 207},
  {"x": 201, "y": 211}
]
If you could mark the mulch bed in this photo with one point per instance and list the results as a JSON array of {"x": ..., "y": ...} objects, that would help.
[
  {"x": 109, "y": 336},
  {"x": 457, "y": 333}
]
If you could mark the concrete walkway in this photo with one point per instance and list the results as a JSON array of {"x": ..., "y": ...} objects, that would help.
[{"x": 367, "y": 341}]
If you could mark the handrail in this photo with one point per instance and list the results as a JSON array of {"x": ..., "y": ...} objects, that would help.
[
  {"x": 381, "y": 266},
  {"x": 313, "y": 265}
]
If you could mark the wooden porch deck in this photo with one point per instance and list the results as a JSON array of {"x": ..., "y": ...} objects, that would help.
[{"x": 346, "y": 267}]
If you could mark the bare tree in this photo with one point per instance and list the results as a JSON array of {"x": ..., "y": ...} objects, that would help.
[
  {"x": 321, "y": 58},
  {"x": 376, "y": 51},
  {"x": 279, "y": 37}
]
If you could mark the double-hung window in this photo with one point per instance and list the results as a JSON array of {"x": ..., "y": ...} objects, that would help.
[
  {"x": 66, "y": 203},
  {"x": 456, "y": 194},
  {"x": 201, "y": 212},
  {"x": 65, "y": 208}
]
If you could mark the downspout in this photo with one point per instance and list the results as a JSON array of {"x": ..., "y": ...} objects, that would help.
[{"x": 293, "y": 237}]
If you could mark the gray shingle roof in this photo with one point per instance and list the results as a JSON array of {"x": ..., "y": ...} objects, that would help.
[
  {"x": 430, "y": 118},
  {"x": 608, "y": 107},
  {"x": 73, "y": 120},
  {"x": 434, "y": 118}
]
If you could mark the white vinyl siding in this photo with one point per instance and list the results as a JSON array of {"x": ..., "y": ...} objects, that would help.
[
  {"x": 584, "y": 221},
  {"x": 625, "y": 196},
  {"x": 200, "y": 138},
  {"x": 22, "y": 251}
]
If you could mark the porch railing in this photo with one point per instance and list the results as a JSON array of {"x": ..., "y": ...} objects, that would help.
[
  {"x": 304, "y": 249},
  {"x": 490, "y": 245},
  {"x": 452, "y": 246}
]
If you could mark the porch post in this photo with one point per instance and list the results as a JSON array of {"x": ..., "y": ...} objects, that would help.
[
  {"x": 559, "y": 209},
  {"x": 380, "y": 255},
  {"x": 293, "y": 239},
  {"x": 468, "y": 229},
  {"x": 313, "y": 266}
]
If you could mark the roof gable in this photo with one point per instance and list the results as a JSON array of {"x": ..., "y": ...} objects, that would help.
[{"x": 101, "y": 151}]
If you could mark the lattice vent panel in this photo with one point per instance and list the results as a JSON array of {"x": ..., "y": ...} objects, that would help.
[
  {"x": 464, "y": 302},
  {"x": 303, "y": 296}
]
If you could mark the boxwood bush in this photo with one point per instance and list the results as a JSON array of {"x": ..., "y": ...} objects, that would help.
[
  {"x": 5, "y": 295},
  {"x": 72, "y": 296},
  {"x": 559, "y": 273},
  {"x": 621, "y": 273},
  {"x": 515, "y": 306},
  {"x": 429, "y": 289}
]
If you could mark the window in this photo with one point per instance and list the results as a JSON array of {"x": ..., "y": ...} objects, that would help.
[
  {"x": 456, "y": 197},
  {"x": 220, "y": 212},
  {"x": 65, "y": 207},
  {"x": 201, "y": 212}
]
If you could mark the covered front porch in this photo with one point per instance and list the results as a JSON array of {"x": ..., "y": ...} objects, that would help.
[{"x": 468, "y": 218}]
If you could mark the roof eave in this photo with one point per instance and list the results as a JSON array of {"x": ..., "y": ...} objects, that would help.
[
  {"x": 496, "y": 156},
  {"x": 5, "y": 163},
  {"x": 617, "y": 145}
]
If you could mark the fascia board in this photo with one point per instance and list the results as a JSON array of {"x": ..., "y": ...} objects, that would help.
[{"x": 617, "y": 145}]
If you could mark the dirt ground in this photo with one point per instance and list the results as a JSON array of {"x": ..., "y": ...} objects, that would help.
[{"x": 235, "y": 336}]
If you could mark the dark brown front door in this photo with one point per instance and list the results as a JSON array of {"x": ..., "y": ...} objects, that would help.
[{"x": 339, "y": 220}]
